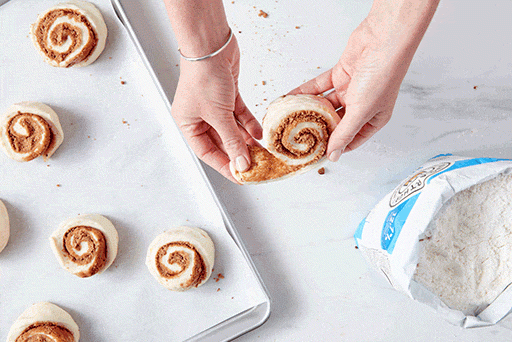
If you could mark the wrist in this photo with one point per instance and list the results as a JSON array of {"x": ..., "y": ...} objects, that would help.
[
  {"x": 200, "y": 26},
  {"x": 402, "y": 23}
]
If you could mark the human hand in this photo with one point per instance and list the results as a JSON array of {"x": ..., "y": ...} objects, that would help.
[
  {"x": 211, "y": 114},
  {"x": 365, "y": 82}
]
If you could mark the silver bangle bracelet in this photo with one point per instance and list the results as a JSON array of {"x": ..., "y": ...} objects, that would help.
[{"x": 195, "y": 59}]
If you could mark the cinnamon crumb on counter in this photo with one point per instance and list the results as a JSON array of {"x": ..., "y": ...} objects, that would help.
[
  {"x": 262, "y": 14},
  {"x": 219, "y": 277},
  {"x": 321, "y": 171}
]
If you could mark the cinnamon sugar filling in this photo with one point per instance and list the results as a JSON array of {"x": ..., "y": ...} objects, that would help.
[
  {"x": 183, "y": 261},
  {"x": 313, "y": 138},
  {"x": 37, "y": 138},
  {"x": 45, "y": 332},
  {"x": 95, "y": 255},
  {"x": 62, "y": 32}
]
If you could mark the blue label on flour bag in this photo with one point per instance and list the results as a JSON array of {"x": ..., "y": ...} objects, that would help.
[{"x": 394, "y": 222}]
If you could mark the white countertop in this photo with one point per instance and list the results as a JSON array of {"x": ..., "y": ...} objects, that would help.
[
  {"x": 299, "y": 231},
  {"x": 456, "y": 98}
]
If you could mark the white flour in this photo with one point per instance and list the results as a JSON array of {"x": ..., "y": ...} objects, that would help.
[{"x": 466, "y": 253}]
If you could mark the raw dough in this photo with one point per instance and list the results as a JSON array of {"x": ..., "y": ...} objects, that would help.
[
  {"x": 296, "y": 130},
  {"x": 4, "y": 226},
  {"x": 29, "y": 130},
  {"x": 85, "y": 245},
  {"x": 181, "y": 258},
  {"x": 44, "y": 320},
  {"x": 70, "y": 34}
]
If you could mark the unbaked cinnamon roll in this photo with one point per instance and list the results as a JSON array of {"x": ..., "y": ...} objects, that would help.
[
  {"x": 70, "y": 34},
  {"x": 296, "y": 130},
  {"x": 44, "y": 322},
  {"x": 4, "y": 226},
  {"x": 181, "y": 258},
  {"x": 29, "y": 130},
  {"x": 85, "y": 245}
]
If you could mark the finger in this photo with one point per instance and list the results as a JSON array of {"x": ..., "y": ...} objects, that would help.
[
  {"x": 347, "y": 137},
  {"x": 364, "y": 134},
  {"x": 233, "y": 141},
  {"x": 315, "y": 86},
  {"x": 344, "y": 133},
  {"x": 342, "y": 80},
  {"x": 206, "y": 148},
  {"x": 246, "y": 119}
]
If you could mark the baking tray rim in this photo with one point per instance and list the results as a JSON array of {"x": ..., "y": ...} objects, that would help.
[{"x": 251, "y": 318}]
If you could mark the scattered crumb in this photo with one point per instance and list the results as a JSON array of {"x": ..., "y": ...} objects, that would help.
[
  {"x": 110, "y": 58},
  {"x": 318, "y": 67},
  {"x": 218, "y": 289},
  {"x": 474, "y": 87},
  {"x": 356, "y": 247},
  {"x": 321, "y": 171},
  {"x": 123, "y": 82},
  {"x": 219, "y": 277},
  {"x": 47, "y": 165},
  {"x": 262, "y": 14},
  {"x": 263, "y": 82},
  {"x": 232, "y": 297},
  {"x": 58, "y": 185},
  {"x": 297, "y": 27},
  {"x": 89, "y": 137}
]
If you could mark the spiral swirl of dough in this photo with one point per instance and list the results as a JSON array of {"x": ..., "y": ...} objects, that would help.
[
  {"x": 182, "y": 258},
  {"x": 44, "y": 322},
  {"x": 30, "y": 130},
  {"x": 85, "y": 245},
  {"x": 296, "y": 131},
  {"x": 46, "y": 332},
  {"x": 70, "y": 34}
]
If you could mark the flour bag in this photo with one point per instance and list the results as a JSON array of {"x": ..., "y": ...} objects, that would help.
[{"x": 444, "y": 238}]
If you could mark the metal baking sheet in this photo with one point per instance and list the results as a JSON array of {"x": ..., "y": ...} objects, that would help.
[{"x": 122, "y": 157}]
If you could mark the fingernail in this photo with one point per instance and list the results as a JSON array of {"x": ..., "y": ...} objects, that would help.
[
  {"x": 241, "y": 164},
  {"x": 335, "y": 155}
]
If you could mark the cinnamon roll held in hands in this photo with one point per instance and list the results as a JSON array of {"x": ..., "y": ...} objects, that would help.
[
  {"x": 44, "y": 322},
  {"x": 29, "y": 130},
  {"x": 70, "y": 34},
  {"x": 296, "y": 130},
  {"x": 85, "y": 245},
  {"x": 181, "y": 258}
]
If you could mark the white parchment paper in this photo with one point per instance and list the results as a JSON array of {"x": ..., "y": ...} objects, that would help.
[{"x": 122, "y": 157}]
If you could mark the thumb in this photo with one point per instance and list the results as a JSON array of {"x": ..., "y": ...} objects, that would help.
[{"x": 345, "y": 132}]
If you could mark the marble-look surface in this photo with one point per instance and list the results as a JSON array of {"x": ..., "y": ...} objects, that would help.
[{"x": 456, "y": 98}]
